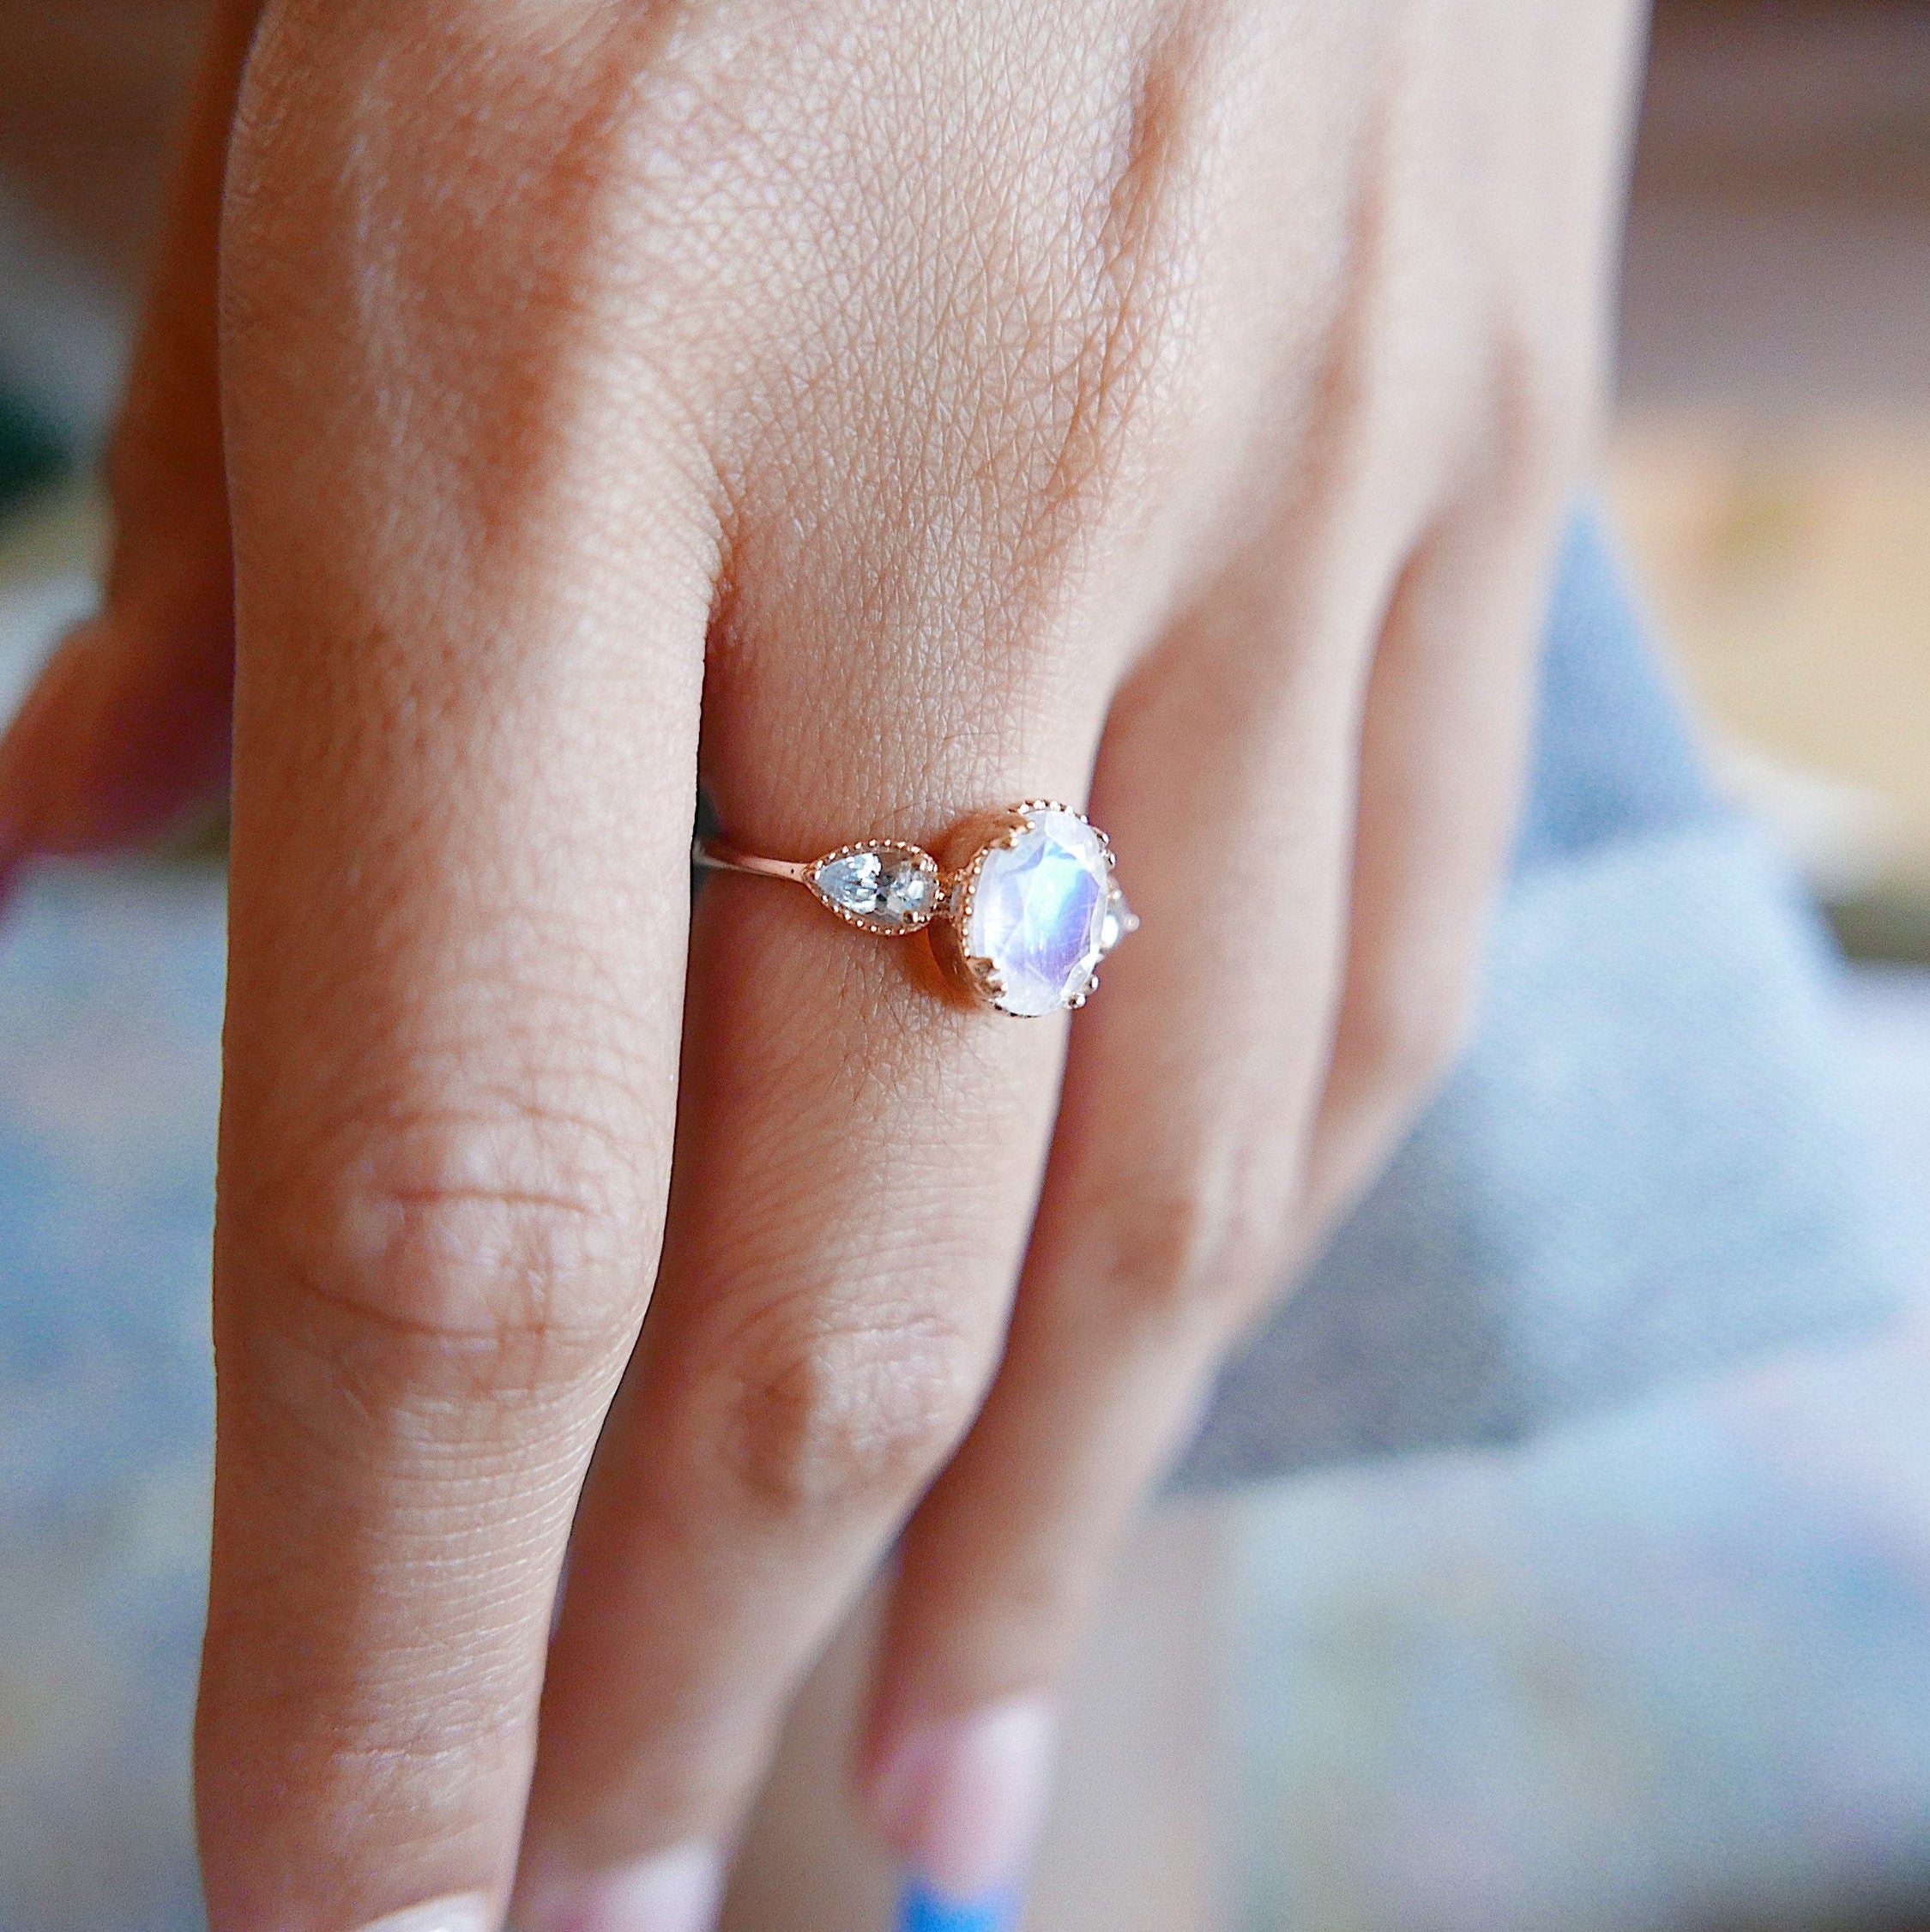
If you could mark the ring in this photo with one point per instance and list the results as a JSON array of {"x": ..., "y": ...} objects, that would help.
[{"x": 1019, "y": 918}]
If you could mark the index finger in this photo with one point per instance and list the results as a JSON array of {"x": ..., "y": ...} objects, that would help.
[{"x": 465, "y": 751}]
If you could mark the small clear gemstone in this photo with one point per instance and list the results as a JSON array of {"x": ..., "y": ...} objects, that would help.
[
  {"x": 888, "y": 887},
  {"x": 1039, "y": 911},
  {"x": 1120, "y": 921}
]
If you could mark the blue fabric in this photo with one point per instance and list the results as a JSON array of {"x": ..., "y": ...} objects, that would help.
[
  {"x": 110, "y": 1022},
  {"x": 1650, "y": 1163},
  {"x": 1611, "y": 762}
]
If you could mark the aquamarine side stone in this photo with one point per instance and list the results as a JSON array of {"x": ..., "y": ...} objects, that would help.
[
  {"x": 892, "y": 888},
  {"x": 1039, "y": 913}
]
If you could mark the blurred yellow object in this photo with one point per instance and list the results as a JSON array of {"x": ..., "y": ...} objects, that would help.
[{"x": 1788, "y": 568}]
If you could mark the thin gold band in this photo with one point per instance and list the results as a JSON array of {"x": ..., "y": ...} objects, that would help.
[{"x": 714, "y": 854}]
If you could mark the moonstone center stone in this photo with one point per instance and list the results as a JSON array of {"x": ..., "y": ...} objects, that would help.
[{"x": 1038, "y": 912}]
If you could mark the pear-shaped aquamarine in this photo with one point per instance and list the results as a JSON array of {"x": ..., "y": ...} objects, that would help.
[
  {"x": 889, "y": 887},
  {"x": 1039, "y": 913}
]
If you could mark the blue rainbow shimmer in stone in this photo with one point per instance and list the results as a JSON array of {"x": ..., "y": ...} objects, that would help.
[{"x": 1038, "y": 912}]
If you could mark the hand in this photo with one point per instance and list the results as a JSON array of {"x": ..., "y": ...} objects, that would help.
[{"x": 888, "y": 411}]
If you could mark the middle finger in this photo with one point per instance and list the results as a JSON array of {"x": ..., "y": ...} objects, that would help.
[
  {"x": 931, "y": 577},
  {"x": 858, "y": 1165}
]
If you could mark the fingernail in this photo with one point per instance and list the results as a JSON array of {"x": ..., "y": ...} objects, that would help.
[
  {"x": 961, "y": 1803},
  {"x": 678, "y": 1891},
  {"x": 469, "y": 1913},
  {"x": 922, "y": 1910}
]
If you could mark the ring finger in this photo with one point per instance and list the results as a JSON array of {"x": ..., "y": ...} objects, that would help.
[{"x": 857, "y": 1166}]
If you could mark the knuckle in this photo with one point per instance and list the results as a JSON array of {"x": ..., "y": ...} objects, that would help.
[
  {"x": 1198, "y": 1255},
  {"x": 441, "y": 1258},
  {"x": 830, "y": 1416}
]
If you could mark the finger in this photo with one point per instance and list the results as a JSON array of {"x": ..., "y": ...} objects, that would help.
[
  {"x": 928, "y": 588},
  {"x": 1189, "y": 1088},
  {"x": 449, "y": 1070},
  {"x": 857, "y": 1163},
  {"x": 1179, "y": 1188},
  {"x": 1443, "y": 753},
  {"x": 126, "y": 727},
  {"x": 464, "y": 778}
]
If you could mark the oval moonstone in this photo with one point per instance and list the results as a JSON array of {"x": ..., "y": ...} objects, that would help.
[{"x": 1039, "y": 911}]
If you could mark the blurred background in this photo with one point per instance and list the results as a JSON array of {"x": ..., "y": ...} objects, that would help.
[{"x": 1670, "y": 1669}]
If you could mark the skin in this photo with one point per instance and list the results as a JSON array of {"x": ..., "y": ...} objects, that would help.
[{"x": 885, "y": 411}]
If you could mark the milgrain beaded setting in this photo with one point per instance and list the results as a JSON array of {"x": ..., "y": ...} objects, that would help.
[
  {"x": 880, "y": 886},
  {"x": 1020, "y": 924}
]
